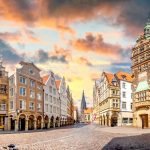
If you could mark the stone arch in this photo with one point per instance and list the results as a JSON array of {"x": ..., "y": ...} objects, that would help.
[
  {"x": 52, "y": 120},
  {"x": 39, "y": 121},
  {"x": 31, "y": 120},
  {"x": 22, "y": 118},
  {"x": 46, "y": 122},
  {"x": 57, "y": 121},
  {"x": 114, "y": 119}
]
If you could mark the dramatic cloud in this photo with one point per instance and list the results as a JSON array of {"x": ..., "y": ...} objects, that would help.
[
  {"x": 9, "y": 54},
  {"x": 58, "y": 55},
  {"x": 96, "y": 44},
  {"x": 84, "y": 61},
  {"x": 60, "y": 13}
]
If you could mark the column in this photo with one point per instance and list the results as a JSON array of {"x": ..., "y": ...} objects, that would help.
[
  {"x": 16, "y": 125},
  {"x": 42, "y": 124},
  {"x": 49, "y": 123},
  {"x": 54, "y": 124},
  {"x": 26, "y": 125},
  {"x": 35, "y": 127},
  {"x": 6, "y": 123},
  {"x": 9, "y": 124}
]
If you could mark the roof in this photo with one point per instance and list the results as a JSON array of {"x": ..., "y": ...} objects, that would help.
[
  {"x": 45, "y": 78},
  {"x": 142, "y": 86},
  {"x": 58, "y": 84},
  {"x": 88, "y": 110},
  {"x": 27, "y": 63},
  {"x": 124, "y": 76},
  {"x": 109, "y": 77}
]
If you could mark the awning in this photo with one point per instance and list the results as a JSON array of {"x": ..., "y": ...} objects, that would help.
[{"x": 142, "y": 86}]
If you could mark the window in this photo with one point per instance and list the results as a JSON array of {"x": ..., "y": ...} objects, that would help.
[
  {"x": 11, "y": 81},
  {"x": 31, "y": 106},
  {"x": 57, "y": 101},
  {"x": 39, "y": 107},
  {"x": 54, "y": 100},
  {"x": 46, "y": 107},
  {"x": 22, "y": 80},
  {"x": 39, "y": 87},
  {"x": 46, "y": 97},
  {"x": 32, "y": 83},
  {"x": 115, "y": 103},
  {"x": 131, "y": 106},
  {"x": 50, "y": 98},
  {"x": 50, "y": 89},
  {"x": 54, "y": 91},
  {"x": 31, "y": 71},
  {"x": 22, "y": 91},
  {"x": 123, "y": 105},
  {"x": 52, "y": 81},
  {"x": 11, "y": 104},
  {"x": 32, "y": 94},
  {"x": 22, "y": 104},
  {"x": 130, "y": 120},
  {"x": 54, "y": 109},
  {"x": 124, "y": 85},
  {"x": 11, "y": 92},
  {"x": 57, "y": 110},
  {"x": 124, "y": 120},
  {"x": 124, "y": 94},
  {"x": 3, "y": 89},
  {"x": 39, "y": 96},
  {"x": 50, "y": 108}
]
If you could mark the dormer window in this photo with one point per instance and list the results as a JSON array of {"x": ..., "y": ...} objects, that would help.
[{"x": 123, "y": 77}]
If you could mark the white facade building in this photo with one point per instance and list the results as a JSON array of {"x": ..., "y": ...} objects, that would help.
[
  {"x": 61, "y": 87},
  {"x": 125, "y": 115},
  {"x": 51, "y": 102}
]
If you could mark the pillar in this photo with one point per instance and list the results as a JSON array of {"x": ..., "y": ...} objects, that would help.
[
  {"x": 42, "y": 124},
  {"x": 49, "y": 123},
  {"x": 35, "y": 126},
  {"x": 26, "y": 124},
  {"x": 54, "y": 124},
  {"x": 16, "y": 125},
  {"x": 9, "y": 124}
]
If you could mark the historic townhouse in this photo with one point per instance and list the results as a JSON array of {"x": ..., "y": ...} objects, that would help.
[
  {"x": 125, "y": 81},
  {"x": 51, "y": 102},
  {"x": 3, "y": 96},
  {"x": 25, "y": 98},
  {"x": 109, "y": 100},
  {"x": 61, "y": 87},
  {"x": 141, "y": 83},
  {"x": 96, "y": 94},
  {"x": 70, "y": 116}
]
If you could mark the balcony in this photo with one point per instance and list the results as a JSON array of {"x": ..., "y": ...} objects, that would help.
[{"x": 142, "y": 104}]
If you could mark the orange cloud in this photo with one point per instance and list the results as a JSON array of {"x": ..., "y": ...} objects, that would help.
[
  {"x": 95, "y": 44},
  {"x": 84, "y": 61}
]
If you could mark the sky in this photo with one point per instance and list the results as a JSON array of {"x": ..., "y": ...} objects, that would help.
[{"x": 77, "y": 39}]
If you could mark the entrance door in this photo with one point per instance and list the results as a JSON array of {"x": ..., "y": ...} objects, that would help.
[
  {"x": 114, "y": 121},
  {"x": 12, "y": 124},
  {"x": 144, "y": 119},
  {"x": 22, "y": 124}
]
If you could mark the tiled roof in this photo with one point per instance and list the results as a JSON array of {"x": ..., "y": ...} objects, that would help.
[
  {"x": 58, "y": 84},
  {"x": 88, "y": 110},
  {"x": 124, "y": 76},
  {"x": 109, "y": 77},
  {"x": 45, "y": 78}
]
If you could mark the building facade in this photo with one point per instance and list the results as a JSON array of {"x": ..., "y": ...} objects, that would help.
[
  {"x": 141, "y": 83},
  {"x": 88, "y": 115},
  {"x": 4, "y": 92},
  {"x": 51, "y": 102},
  {"x": 25, "y": 98},
  {"x": 125, "y": 115},
  {"x": 61, "y": 87}
]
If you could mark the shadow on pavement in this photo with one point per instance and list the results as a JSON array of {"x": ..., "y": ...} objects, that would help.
[{"x": 139, "y": 142}]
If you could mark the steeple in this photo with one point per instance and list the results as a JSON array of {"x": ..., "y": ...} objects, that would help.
[{"x": 83, "y": 102}]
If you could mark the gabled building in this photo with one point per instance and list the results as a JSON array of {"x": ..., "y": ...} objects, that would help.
[
  {"x": 61, "y": 87},
  {"x": 26, "y": 98},
  {"x": 51, "y": 102},
  {"x": 4, "y": 86},
  {"x": 88, "y": 115},
  {"x": 125, "y": 81},
  {"x": 141, "y": 82}
]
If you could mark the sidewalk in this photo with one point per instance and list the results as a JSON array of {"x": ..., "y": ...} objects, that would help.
[{"x": 123, "y": 130}]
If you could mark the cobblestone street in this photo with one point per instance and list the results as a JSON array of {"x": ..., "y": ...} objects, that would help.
[{"x": 79, "y": 137}]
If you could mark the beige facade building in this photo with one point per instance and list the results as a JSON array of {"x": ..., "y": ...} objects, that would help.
[
  {"x": 141, "y": 83},
  {"x": 112, "y": 99},
  {"x": 3, "y": 96},
  {"x": 25, "y": 98}
]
